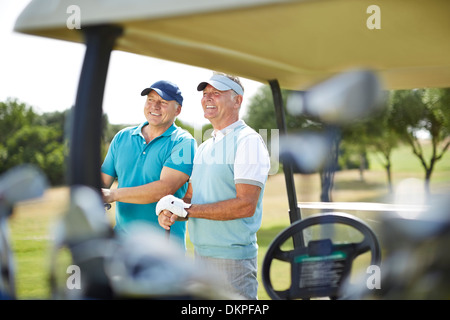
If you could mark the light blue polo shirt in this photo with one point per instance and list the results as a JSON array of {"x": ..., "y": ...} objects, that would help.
[
  {"x": 214, "y": 179},
  {"x": 134, "y": 163}
]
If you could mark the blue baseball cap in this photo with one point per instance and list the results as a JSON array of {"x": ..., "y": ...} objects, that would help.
[
  {"x": 222, "y": 83},
  {"x": 166, "y": 90}
]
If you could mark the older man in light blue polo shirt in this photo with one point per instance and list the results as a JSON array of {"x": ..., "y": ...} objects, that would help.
[
  {"x": 150, "y": 161},
  {"x": 224, "y": 197}
]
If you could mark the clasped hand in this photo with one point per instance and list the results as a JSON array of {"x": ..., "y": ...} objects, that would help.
[{"x": 169, "y": 209}]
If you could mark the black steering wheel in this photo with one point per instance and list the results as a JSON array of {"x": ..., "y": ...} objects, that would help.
[{"x": 319, "y": 268}]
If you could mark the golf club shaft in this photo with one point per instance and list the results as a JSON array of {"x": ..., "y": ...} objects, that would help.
[{"x": 167, "y": 234}]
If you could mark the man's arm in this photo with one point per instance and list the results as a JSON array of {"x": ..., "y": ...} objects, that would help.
[
  {"x": 170, "y": 181},
  {"x": 107, "y": 180},
  {"x": 243, "y": 206}
]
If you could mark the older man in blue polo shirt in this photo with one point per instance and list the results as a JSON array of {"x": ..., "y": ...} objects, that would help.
[
  {"x": 150, "y": 161},
  {"x": 224, "y": 197}
]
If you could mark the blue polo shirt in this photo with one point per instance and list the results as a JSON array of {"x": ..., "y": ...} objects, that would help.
[{"x": 134, "y": 163}]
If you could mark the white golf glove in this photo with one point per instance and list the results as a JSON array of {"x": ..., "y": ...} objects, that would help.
[{"x": 172, "y": 204}]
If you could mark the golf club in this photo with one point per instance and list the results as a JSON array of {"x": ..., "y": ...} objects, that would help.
[
  {"x": 18, "y": 184},
  {"x": 306, "y": 151},
  {"x": 341, "y": 99}
]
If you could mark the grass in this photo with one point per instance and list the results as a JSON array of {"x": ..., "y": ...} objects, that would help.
[{"x": 32, "y": 224}]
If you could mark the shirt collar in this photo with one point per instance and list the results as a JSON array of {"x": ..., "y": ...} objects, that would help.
[
  {"x": 168, "y": 132},
  {"x": 220, "y": 134}
]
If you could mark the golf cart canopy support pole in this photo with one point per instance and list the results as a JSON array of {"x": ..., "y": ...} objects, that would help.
[
  {"x": 86, "y": 126},
  {"x": 294, "y": 210}
]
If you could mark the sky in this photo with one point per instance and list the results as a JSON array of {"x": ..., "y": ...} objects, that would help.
[{"x": 44, "y": 74}]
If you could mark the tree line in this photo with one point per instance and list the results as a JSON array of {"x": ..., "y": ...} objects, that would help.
[{"x": 42, "y": 139}]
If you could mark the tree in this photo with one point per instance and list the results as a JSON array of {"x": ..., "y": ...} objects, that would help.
[
  {"x": 261, "y": 112},
  {"x": 13, "y": 116},
  {"x": 27, "y": 137},
  {"x": 383, "y": 140},
  {"x": 353, "y": 148},
  {"x": 37, "y": 145},
  {"x": 372, "y": 134},
  {"x": 423, "y": 110}
]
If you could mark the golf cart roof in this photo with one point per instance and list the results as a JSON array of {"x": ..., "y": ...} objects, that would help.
[{"x": 296, "y": 42}]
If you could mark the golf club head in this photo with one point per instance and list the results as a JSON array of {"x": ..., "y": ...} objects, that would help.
[
  {"x": 20, "y": 183},
  {"x": 85, "y": 218},
  {"x": 307, "y": 152},
  {"x": 144, "y": 266},
  {"x": 341, "y": 99},
  {"x": 85, "y": 230}
]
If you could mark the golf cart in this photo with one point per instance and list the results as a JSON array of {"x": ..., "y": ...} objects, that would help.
[{"x": 300, "y": 45}]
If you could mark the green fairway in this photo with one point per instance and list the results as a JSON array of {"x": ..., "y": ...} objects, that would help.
[{"x": 32, "y": 223}]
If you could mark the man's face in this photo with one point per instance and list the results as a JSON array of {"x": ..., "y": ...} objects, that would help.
[
  {"x": 219, "y": 105},
  {"x": 160, "y": 112}
]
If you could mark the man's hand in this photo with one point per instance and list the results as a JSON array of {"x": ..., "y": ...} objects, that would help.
[
  {"x": 107, "y": 195},
  {"x": 166, "y": 219},
  {"x": 172, "y": 204}
]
